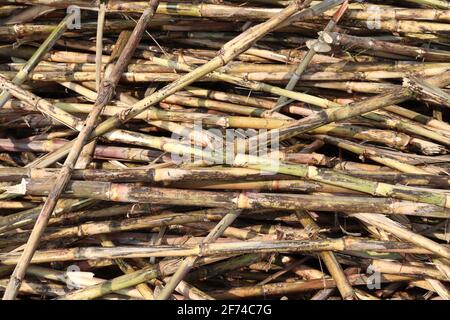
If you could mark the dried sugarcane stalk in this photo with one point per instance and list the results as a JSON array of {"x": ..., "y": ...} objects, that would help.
[
  {"x": 103, "y": 98},
  {"x": 133, "y": 193},
  {"x": 312, "y": 51},
  {"x": 352, "y": 110},
  {"x": 144, "y": 290},
  {"x": 214, "y": 249},
  {"x": 424, "y": 89},
  {"x": 335, "y": 269},
  {"x": 42, "y": 105},
  {"x": 188, "y": 263},
  {"x": 99, "y": 45},
  {"x": 352, "y": 172},
  {"x": 24, "y": 73},
  {"x": 432, "y": 3}
]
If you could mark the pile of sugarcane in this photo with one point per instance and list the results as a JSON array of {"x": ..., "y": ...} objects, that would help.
[{"x": 224, "y": 149}]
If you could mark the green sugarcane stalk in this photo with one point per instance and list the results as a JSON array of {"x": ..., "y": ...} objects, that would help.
[
  {"x": 126, "y": 268},
  {"x": 342, "y": 180},
  {"x": 23, "y": 74},
  {"x": 119, "y": 283},
  {"x": 61, "y": 276},
  {"x": 310, "y": 187},
  {"x": 309, "y": 56}
]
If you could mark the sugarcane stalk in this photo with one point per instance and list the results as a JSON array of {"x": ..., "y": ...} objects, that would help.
[
  {"x": 425, "y": 90},
  {"x": 188, "y": 263},
  {"x": 207, "y": 272},
  {"x": 28, "y": 14},
  {"x": 335, "y": 114},
  {"x": 165, "y": 219},
  {"x": 402, "y": 233},
  {"x": 148, "y": 273},
  {"x": 134, "y": 193},
  {"x": 373, "y": 154},
  {"x": 79, "y": 281},
  {"x": 215, "y": 249},
  {"x": 66, "y": 211},
  {"x": 335, "y": 269},
  {"x": 393, "y": 267},
  {"x": 408, "y": 126},
  {"x": 37, "y": 288},
  {"x": 14, "y": 205},
  {"x": 99, "y": 45},
  {"x": 383, "y": 46},
  {"x": 197, "y": 73},
  {"x": 100, "y": 152},
  {"x": 277, "y": 289},
  {"x": 258, "y": 76},
  {"x": 441, "y": 4},
  {"x": 126, "y": 268},
  {"x": 300, "y": 185},
  {"x": 24, "y": 73},
  {"x": 119, "y": 283}
]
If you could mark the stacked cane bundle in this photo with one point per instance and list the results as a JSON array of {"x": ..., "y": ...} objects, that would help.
[{"x": 224, "y": 149}]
